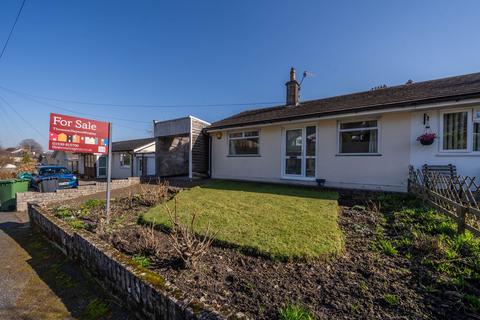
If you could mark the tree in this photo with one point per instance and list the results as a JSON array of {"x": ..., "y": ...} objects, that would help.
[{"x": 31, "y": 146}]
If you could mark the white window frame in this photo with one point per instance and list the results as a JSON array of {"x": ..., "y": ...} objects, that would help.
[
  {"x": 469, "y": 148},
  {"x": 339, "y": 139},
  {"x": 122, "y": 165},
  {"x": 243, "y": 137},
  {"x": 304, "y": 156},
  {"x": 475, "y": 119}
]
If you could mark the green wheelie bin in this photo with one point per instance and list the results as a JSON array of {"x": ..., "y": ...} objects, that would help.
[
  {"x": 8, "y": 190},
  {"x": 7, "y": 196}
]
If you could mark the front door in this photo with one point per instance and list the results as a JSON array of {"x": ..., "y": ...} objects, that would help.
[
  {"x": 299, "y": 154},
  {"x": 102, "y": 167},
  {"x": 139, "y": 166}
]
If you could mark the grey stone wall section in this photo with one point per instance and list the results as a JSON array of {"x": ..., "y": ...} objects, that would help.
[
  {"x": 66, "y": 194},
  {"x": 146, "y": 299},
  {"x": 172, "y": 156}
]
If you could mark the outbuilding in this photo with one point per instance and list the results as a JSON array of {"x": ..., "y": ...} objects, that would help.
[{"x": 181, "y": 147}]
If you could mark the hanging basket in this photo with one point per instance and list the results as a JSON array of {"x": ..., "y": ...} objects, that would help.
[{"x": 427, "y": 139}]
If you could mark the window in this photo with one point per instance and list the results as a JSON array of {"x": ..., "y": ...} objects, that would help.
[
  {"x": 455, "y": 131},
  {"x": 125, "y": 160},
  {"x": 359, "y": 137},
  {"x": 243, "y": 143},
  {"x": 476, "y": 130}
]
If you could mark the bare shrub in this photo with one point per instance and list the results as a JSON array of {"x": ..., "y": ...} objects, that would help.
[
  {"x": 151, "y": 195},
  {"x": 149, "y": 243},
  {"x": 189, "y": 245}
]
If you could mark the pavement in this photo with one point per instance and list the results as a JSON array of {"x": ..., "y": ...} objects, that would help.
[{"x": 38, "y": 282}]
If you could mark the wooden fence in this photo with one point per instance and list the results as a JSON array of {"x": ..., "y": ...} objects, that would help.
[{"x": 451, "y": 194}]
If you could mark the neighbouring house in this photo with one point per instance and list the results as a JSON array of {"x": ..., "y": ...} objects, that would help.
[
  {"x": 16, "y": 154},
  {"x": 182, "y": 147},
  {"x": 61, "y": 158},
  {"x": 363, "y": 140},
  {"x": 130, "y": 158}
]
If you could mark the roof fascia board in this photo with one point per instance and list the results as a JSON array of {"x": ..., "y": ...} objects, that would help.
[
  {"x": 350, "y": 114},
  {"x": 198, "y": 119},
  {"x": 144, "y": 147}
]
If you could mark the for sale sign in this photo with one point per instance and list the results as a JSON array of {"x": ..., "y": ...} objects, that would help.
[{"x": 73, "y": 134}]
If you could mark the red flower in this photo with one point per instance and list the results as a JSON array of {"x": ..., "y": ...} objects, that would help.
[{"x": 427, "y": 137}]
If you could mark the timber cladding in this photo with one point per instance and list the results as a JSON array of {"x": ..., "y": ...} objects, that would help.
[{"x": 199, "y": 148}]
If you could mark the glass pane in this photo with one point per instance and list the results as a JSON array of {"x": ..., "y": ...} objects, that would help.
[
  {"x": 294, "y": 143},
  {"x": 102, "y": 162},
  {"x": 364, "y": 141},
  {"x": 476, "y": 136},
  {"x": 244, "y": 146},
  {"x": 251, "y": 134},
  {"x": 360, "y": 124},
  {"x": 310, "y": 170},
  {"x": 235, "y": 135},
  {"x": 293, "y": 166},
  {"x": 311, "y": 141},
  {"x": 102, "y": 171},
  {"x": 455, "y": 131}
]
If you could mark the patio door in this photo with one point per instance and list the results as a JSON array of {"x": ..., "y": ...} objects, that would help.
[
  {"x": 102, "y": 167},
  {"x": 299, "y": 153}
]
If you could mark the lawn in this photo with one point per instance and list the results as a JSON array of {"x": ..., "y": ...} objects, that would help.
[{"x": 283, "y": 222}]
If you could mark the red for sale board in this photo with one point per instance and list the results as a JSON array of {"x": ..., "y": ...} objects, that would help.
[{"x": 80, "y": 135}]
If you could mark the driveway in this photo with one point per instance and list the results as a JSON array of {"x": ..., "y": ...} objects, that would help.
[{"x": 38, "y": 282}]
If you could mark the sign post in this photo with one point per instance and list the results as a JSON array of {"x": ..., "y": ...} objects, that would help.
[
  {"x": 80, "y": 135},
  {"x": 109, "y": 172}
]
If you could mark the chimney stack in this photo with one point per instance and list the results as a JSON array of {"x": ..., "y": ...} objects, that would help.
[{"x": 293, "y": 88}]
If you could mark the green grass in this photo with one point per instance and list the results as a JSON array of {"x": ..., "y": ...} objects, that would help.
[
  {"x": 282, "y": 222},
  {"x": 96, "y": 309},
  {"x": 142, "y": 260},
  {"x": 292, "y": 312},
  {"x": 391, "y": 300},
  {"x": 387, "y": 247}
]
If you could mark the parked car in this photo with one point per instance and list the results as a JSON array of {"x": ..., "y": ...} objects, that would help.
[{"x": 66, "y": 179}]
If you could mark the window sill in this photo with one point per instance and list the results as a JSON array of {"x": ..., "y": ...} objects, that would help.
[
  {"x": 299, "y": 178},
  {"x": 243, "y": 156},
  {"x": 358, "y": 155},
  {"x": 458, "y": 154}
]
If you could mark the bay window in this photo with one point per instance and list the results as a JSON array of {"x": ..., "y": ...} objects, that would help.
[
  {"x": 359, "y": 137},
  {"x": 244, "y": 143}
]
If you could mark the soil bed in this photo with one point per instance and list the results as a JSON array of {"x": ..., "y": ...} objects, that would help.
[{"x": 363, "y": 282}]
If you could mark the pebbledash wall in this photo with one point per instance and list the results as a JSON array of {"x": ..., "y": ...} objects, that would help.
[
  {"x": 66, "y": 194},
  {"x": 145, "y": 293}
]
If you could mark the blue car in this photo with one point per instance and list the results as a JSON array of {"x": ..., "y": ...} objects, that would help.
[{"x": 66, "y": 179}]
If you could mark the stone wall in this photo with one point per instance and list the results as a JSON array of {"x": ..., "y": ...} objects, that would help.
[
  {"x": 147, "y": 294},
  {"x": 66, "y": 194}
]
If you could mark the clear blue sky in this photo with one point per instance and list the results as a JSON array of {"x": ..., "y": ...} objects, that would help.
[{"x": 210, "y": 52}]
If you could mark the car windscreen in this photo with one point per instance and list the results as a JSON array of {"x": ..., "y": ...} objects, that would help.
[{"x": 50, "y": 171}]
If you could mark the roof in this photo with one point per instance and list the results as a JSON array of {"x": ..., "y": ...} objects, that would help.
[
  {"x": 130, "y": 145},
  {"x": 445, "y": 89}
]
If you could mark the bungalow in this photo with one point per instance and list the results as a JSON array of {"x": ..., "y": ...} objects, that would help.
[
  {"x": 130, "y": 158},
  {"x": 363, "y": 140}
]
